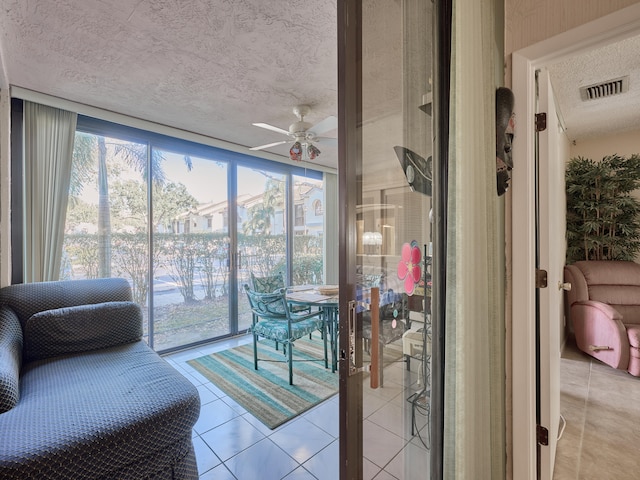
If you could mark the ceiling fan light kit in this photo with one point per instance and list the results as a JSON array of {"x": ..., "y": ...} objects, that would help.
[{"x": 304, "y": 134}]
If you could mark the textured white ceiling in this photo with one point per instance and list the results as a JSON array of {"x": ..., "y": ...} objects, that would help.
[
  {"x": 618, "y": 113},
  {"x": 211, "y": 67},
  {"x": 214, "y": 67}
]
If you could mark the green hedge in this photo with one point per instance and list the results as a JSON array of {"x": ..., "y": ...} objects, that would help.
[{"x": 190, "y": 259}]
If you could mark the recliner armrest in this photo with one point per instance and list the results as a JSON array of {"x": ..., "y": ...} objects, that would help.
[
  {"x": 605, "y": 310},
  {"x": 600, "y": 332}
]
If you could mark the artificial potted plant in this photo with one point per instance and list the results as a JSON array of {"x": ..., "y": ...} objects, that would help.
[{"x": 603, "y": 220}]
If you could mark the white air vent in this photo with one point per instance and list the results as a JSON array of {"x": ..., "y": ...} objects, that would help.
[{"x": 605, "y": 89}]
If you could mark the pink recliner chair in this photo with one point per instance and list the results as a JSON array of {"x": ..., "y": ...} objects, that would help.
[{"x": 604, "y": 310}]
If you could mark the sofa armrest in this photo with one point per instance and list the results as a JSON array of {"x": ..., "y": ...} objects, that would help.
[
  {"x": 81, "y": 328},
  {"x": 27, "y": 299},
  {"x": 600, "y": 332},
  {"x": 10, "y": 358}
]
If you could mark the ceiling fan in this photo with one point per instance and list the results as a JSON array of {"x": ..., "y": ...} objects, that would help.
[{"x": 304, "y": 134}]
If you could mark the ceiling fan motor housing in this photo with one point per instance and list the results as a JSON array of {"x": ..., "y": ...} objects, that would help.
[{"x": 299, "y": 128}]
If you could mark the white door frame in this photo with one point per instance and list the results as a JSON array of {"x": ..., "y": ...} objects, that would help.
[{"x": 619, "y": 25}]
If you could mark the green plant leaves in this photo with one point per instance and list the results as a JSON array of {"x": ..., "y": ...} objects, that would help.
[{"x": 602, "y": 214}]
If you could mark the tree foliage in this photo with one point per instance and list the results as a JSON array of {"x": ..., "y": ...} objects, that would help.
[
  {"x": 129, "y": 204},
  {"x": 602, "y": 213},
  {"x": 93, "y": 155},
  {"x": 261, "y": 214},
  {"x": 169, "y": 200}
]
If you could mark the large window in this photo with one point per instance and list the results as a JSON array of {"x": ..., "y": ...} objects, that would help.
[
  {"x": 190, "y": 251},
  {"x": 308, "y": 258},
  {"x": 186, "y": 224}
]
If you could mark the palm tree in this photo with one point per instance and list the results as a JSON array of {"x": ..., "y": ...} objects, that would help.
[
  {"x": 87, "y": 147},
  {"x": 260, "y": 215},
  {"x": 104, "y": 213}
]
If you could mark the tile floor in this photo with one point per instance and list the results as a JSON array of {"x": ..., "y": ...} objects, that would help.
[
  {"x": 601, "y": 439},
  {"x": 231, "y": 444}
]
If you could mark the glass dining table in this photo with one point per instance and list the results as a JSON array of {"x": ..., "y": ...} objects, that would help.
[{"x": 325, "y": 298}]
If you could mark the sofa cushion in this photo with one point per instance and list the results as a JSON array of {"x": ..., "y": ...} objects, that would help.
[
  {"x": 91, "y": 414},
  {"x": 633, "y": 332},
  {"x": 608, "y": 272},
  {"x": 10, "y": 358},
  {"x": 81, "y": 328},
  {"x": 615, "y": 294}
]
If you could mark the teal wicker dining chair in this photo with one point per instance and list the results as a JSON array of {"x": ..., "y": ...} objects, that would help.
[
  {"x": 273, "y": 283},
  {"x": 268, "y": 283},
  {"x": 273, "y": 320}
]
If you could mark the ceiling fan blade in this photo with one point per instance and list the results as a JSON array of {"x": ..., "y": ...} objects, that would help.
[
  {"x": 271, "y": 127},
  {"x": 268, "y": 145},
  {"x": 326, "y": 125}
]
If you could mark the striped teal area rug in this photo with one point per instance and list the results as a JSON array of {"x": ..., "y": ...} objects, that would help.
[{"x": 266, "y": 393}]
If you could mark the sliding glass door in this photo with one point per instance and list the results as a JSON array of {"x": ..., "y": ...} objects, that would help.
[
  {"x": 107, "y": 228},
  {"x": 386, "y": 243},
  {"x": 187, "y": 225},
  {"x": 191, "y": 291},
  {"x": 262, "y": 230},
  {"x": 308, "y": 231}
]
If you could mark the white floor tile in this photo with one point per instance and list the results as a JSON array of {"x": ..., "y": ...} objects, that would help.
[
  {"x": 301, "y": 439},
  {"x": 264, "y": 460},
  {"x": 231, "y": 444}
]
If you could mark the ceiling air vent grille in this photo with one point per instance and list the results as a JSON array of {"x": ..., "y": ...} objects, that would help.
[{"x": 605, "y": 89}]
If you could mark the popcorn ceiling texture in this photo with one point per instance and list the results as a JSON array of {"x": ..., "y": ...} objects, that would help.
[
  {"x": 207, "y": 66},
  {"x": 617, "y": 113},
  {"x": 214, "y": 67}
]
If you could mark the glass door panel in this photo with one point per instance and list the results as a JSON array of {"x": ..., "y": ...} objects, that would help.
[
  {"x": 190, "y": 249},
  {"x": 308, "y": 231},
  {"x": 262, "y": 229},
  {"x": 106, "y": 223},
  {"x": 388, "y": 243}
]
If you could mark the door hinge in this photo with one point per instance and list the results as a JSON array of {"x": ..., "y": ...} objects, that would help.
[
  {"x": 541, "y": 278},
  {"x": 541, "y": 122},
  {"x": 542, "y": 435}
]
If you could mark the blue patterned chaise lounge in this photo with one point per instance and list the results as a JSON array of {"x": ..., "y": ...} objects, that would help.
[{"x": 82, "y": 396}]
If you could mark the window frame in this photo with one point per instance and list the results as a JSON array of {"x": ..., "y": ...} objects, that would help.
[{"x": 96, "y": 126}]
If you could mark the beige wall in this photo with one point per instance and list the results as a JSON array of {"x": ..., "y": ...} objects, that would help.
[
  {"x": 531, "y": 21},
  {"x": 623, "y": 144}
]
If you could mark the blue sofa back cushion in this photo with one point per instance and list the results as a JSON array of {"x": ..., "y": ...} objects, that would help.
[
  {"x": 81, "y": 328},
  {"x": 10, "y": 358}
]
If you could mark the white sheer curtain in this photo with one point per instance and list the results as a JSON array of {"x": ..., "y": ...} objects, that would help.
[
  {"x": 48, "y": 151},
  {"x": 474, "y": 430}
]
